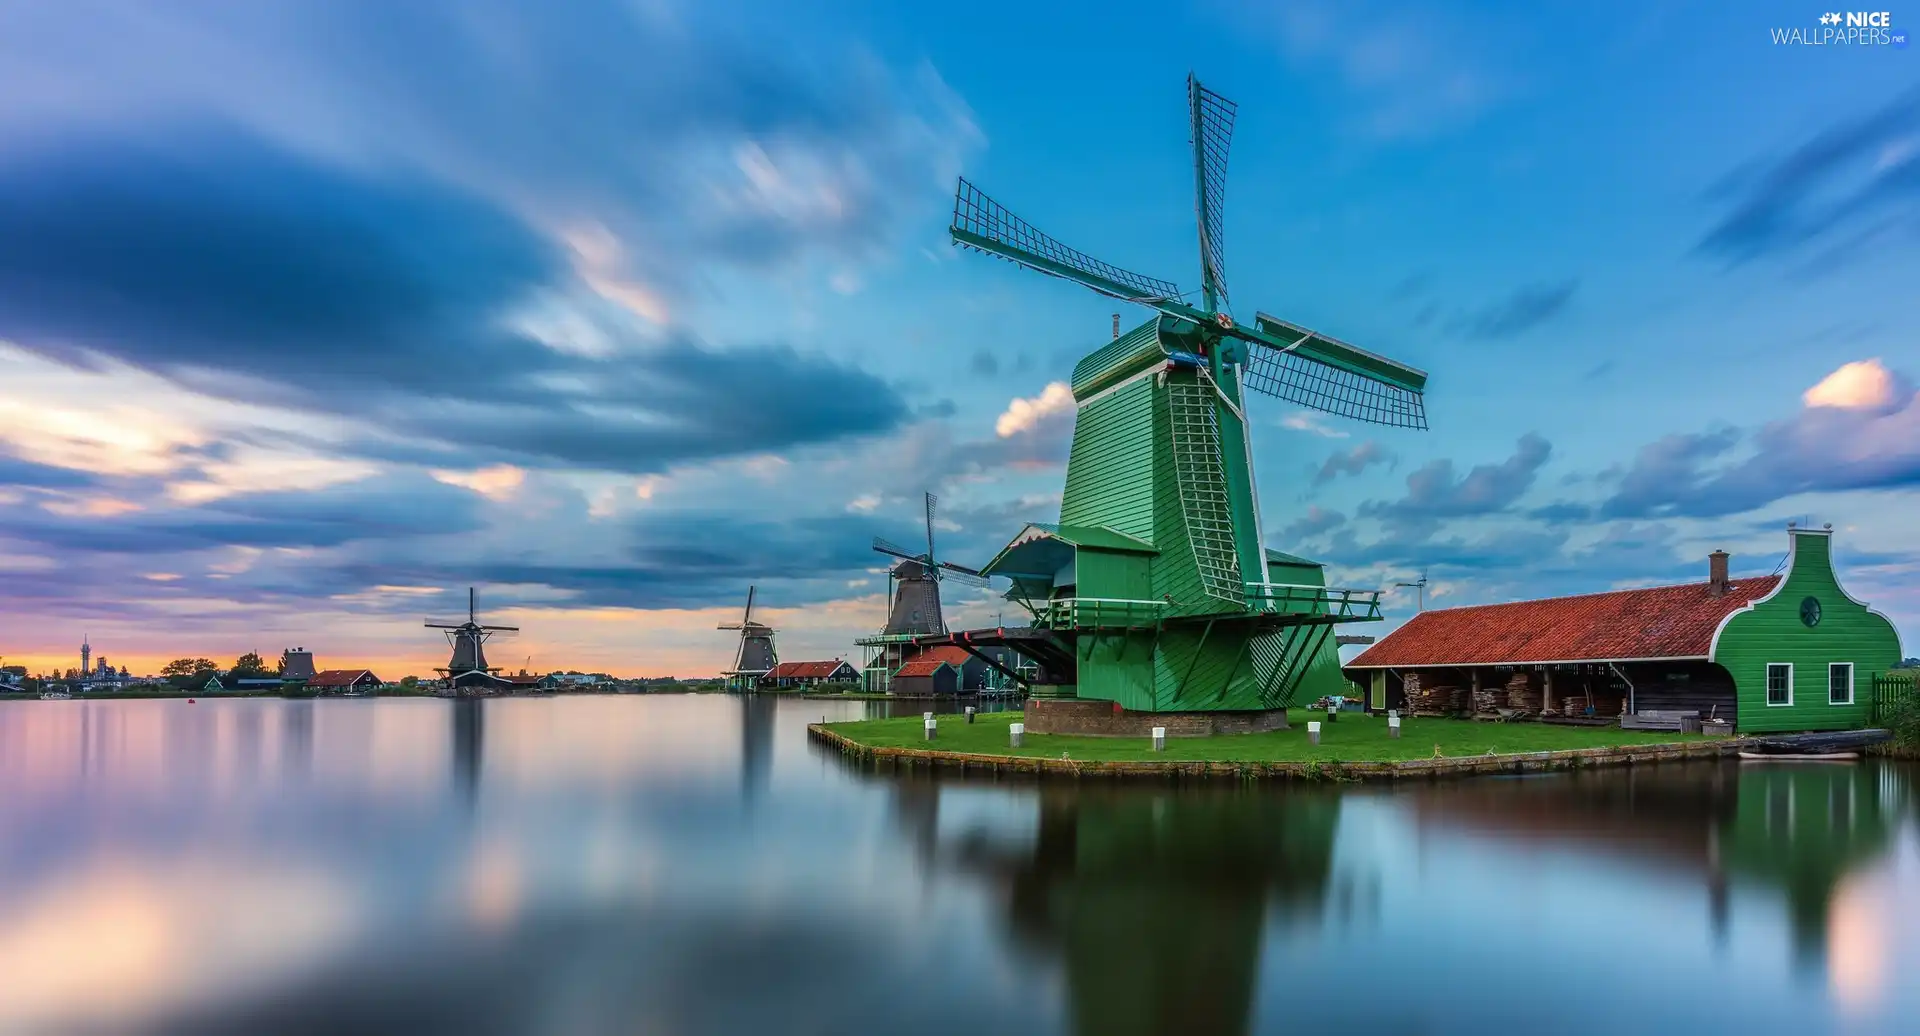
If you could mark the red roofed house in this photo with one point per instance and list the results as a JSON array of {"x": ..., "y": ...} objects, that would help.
[
  {"x": 809, "y": 674},
  {"x": 343, "y": 681},
  {"x": 930, "y": 673},
  {"x": 1779, "y": 652}
]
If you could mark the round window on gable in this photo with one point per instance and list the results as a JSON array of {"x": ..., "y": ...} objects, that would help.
[{"x": 1810, "y": 611}]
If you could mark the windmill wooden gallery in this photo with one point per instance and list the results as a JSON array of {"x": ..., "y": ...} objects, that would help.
[{"x": 1153, "y": 601}]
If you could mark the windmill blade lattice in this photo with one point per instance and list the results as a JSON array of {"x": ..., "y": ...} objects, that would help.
[
  {"x": 964, "y": 576},
  {"x": 886, "y": 546},
  {"x": 1348, "y": 382},
  {"x": 987, "y": 226},
  {"x": 1212, "y": 136}
]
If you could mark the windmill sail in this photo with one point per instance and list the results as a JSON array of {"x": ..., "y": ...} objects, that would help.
[
  {"x": 1212, "y": 134},
  {"x": 983, "y": 224},
  {"x": 1313, "y": 370}
]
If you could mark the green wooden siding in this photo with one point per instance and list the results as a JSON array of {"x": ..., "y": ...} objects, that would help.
[
  {"x": 1771, "y": 631},
  {"x": 1119, "y": 360},
  {"x": 1116, "y": 667},
  {"x": 1113, "y": 575},
  {"x": 1110, "y": 471}
]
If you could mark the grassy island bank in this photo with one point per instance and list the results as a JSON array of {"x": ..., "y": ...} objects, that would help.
[{"x": 1355, "y": 745}]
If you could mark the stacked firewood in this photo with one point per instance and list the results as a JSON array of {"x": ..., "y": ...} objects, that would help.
[
  {"x": 1489, "y": 699},
  {"x": 1437, "y": 698},
  {"x": 1522, "y": 696}
]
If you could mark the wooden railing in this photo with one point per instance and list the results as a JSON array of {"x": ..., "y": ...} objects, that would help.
[
  {"x": 1102, "y": 612},
  {"x": 1294, "y": 598}
]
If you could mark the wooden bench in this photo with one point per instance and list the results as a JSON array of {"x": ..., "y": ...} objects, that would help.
[{"x": 1654, "y": 719}]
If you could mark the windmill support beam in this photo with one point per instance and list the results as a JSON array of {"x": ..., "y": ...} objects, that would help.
[{"x": 993, "y": 663}]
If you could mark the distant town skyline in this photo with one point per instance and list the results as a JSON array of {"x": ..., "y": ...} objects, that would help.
[{"x": 314, "y": 314}]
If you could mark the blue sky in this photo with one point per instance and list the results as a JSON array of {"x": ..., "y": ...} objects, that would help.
[{"x": 311, "y": 313}]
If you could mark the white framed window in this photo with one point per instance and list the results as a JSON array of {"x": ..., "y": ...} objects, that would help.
[
  {"x": 1779, "y": 683},
  {"x": 1840, "y": 683}
]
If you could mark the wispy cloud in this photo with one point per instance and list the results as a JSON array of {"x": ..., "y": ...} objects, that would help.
[
  {"x": 1851, "y": 180},
  {"x": 1528, "y": 307},
  {"x": 1416, "y": 71}
]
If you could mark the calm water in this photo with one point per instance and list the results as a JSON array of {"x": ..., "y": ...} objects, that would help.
[{"x": 694, "y": 865}]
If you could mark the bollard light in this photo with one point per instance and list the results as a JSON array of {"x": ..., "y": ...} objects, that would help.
[
  {"x": 931, "y": 726},
  {"x": 1159, "y": 739},
  {"x": 1393, "y": 726},
  {"x": 1313, "y": 732},
  {"x": 969, "y": 714},
  {"x": 1017, "y": 734}
]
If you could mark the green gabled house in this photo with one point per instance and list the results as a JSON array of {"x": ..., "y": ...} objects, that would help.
[{"x": 1805, "y": 655}]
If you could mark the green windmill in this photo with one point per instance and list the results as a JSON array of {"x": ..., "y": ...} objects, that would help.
[{"x": 1154, "y": 592}]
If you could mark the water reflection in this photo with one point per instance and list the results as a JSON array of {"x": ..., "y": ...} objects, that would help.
[
  {"x": 692, "y": 864},
  {"x": 1155, "y": 902},
  {"x": 1794, "y": 830},
  {"x": 467, "y": 723}
]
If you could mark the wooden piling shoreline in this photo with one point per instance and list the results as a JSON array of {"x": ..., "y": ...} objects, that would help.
[{"x": 1446, "y": 767}]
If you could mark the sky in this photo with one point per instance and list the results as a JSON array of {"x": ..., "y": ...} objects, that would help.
[{"x": 313, "y": 315}]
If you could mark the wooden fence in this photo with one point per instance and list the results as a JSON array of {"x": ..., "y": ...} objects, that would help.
[{"x": 1891, "y": 689}]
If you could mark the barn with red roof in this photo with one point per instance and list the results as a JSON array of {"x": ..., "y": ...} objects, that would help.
[
  {"x": 1785, "y": 651},
  {"x": 809, "y": 674}
]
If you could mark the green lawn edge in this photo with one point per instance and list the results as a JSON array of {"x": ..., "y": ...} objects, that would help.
[{"x": 1354, "y": 738}]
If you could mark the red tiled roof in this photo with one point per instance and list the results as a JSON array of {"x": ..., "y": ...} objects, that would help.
[
  {"x": 951, "y": 654},
  {"x": 336, "y": 677},
  {"x": 805, "y": 670},
  {"x": 1653, "y": 622},
  {"x": 922, "y": 666}
]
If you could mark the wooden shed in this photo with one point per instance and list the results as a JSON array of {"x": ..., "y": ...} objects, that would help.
[
  {"x": 926, "y": 677},
  {"x": 1780, "y": 652}
]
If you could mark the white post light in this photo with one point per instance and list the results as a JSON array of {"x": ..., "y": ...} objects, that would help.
[
  {"x": 932, "y": 726},
  {"x": 1393, "y": 726},
  {"x": 1313, "y": 732},
  {"x": 969, "y": 714},
  {"x": 1159, "y": 739},
  {"x": 1017, "y": 733}
]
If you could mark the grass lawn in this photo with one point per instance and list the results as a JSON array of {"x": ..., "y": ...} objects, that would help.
[{"x": 1355, "y": 737}]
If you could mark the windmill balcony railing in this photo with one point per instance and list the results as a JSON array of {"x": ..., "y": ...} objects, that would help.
[
  {"x": 880, "y": 639},
  {"x": 1300, "y": 599},
  {"x": 1102, "y": 612}
]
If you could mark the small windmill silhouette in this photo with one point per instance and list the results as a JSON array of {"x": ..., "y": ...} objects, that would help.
[
  {"x": 468, "y": 666},
  {"x": 755, "y": 656}
]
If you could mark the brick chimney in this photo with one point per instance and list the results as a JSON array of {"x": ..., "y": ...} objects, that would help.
[{"x": 1717, "y": 573}]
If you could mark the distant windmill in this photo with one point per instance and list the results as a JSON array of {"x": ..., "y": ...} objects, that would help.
[
  {"x": 468, "y": 670},
  {"x": 755, "y": 656},
  {"x": 913, "y": 601},
  {"x": 915, "y": 595}
]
